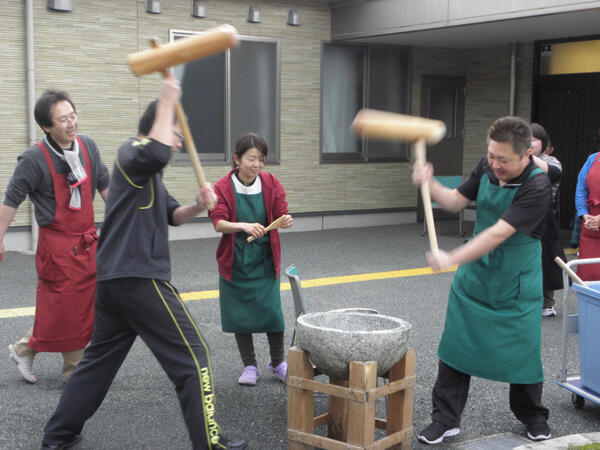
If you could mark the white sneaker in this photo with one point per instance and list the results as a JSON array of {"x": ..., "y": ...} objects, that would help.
[
  {"x": 24, "y": 365},
  {"x": 549, "y": 312}
]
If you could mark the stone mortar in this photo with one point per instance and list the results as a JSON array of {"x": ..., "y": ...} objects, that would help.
[{"x": 333, "y": 339}]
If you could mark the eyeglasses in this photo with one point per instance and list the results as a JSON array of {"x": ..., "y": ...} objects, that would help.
[{"x": 179, "y": 135}]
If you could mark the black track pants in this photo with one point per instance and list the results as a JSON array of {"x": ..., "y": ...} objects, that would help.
[
  {"x": 451, "y": 390},
  {"x": 152, "y": 309}
]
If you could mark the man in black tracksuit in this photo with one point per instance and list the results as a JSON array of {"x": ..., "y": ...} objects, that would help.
[{"x": 134, "y": 296}]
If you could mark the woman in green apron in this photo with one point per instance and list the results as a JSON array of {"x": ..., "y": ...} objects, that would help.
[
  {"x": 493, "y": 320},
  {"x": 248, "y": 200}
]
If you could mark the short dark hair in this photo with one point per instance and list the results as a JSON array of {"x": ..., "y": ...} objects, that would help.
[
  {"x": 147, "y": 119},
  {"x": 49, "y": 98},
  {"x": 511, "y": 130},
  {"x": 250, "y": 140},
  {"x": 539, "y": 132}
]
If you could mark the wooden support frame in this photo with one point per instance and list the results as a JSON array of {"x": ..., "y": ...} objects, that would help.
[{"x": 351, "y": 417}]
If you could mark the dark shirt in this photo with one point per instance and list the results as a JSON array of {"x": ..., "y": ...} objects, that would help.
[
  {"x": 530, "y": 204},
  {"x": 134, "y": 237},
  {"x": 32, "y": 177}
]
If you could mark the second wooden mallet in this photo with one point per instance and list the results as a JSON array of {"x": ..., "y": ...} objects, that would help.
[{"x": 400, "y": 127}]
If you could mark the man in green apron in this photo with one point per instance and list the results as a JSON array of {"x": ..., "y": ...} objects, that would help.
[{"x": 493, "y": 320}]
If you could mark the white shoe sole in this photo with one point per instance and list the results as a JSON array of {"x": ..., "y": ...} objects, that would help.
[
  {"x": 541, "y": 437},
  {"x": 29, "y": 377},
  {"x": 447, "y": 433}
]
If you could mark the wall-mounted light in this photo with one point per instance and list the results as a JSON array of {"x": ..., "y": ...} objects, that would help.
[
  {"x": 293, "y": 17},
  {"x": 253, "y": 14},
  {"x": 153, "y": 6},
  {"x": 60, "y": 5},
  {"x": 198, "y": 8}
]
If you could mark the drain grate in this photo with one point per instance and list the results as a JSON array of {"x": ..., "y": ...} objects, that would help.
[{"x": 495, "y": 442}]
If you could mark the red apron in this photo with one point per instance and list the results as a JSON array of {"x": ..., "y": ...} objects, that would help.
[
  {"x": 66, "y": 267},
  {"x": 589, "y": 242}
]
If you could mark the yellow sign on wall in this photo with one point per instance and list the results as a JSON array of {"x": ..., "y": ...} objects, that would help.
[{"x": 570, "y": 57}]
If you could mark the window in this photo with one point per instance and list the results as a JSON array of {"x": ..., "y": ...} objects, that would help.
[
  {"x": 355, "y": 77},
  {"x": 228, "y": 94}
]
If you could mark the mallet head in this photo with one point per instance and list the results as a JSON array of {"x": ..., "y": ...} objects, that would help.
[
  {"x": 183, "y": 50},
  {"x": 398, "y": 127}
]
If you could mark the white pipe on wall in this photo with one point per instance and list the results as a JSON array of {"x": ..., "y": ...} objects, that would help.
[
  {"x": 513, "y": 78},
  {"x": 31, "y": 101}
]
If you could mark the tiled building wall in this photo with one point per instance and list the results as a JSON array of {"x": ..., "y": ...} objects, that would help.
[
  {"x": 84, "y": 52},
  {"x": 487, "y": 78}
]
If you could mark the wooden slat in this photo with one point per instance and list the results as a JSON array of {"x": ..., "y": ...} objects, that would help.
[
  {"x": 321, "y": 420},
  {"x": 338, "y": 413},
  {"x": 330, "y": 389},
  {"x": 300, "y": 404},
  {"x": 392, "y": 440},
  {"x": 361, "y": 415},
  {"x": 380, "y": 424},
  {"x": 400, "y": 404},
  {"x": 393, "y": 386}
]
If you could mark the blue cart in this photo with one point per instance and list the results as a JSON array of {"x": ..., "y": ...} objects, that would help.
[{"x": 585, "y": 324}]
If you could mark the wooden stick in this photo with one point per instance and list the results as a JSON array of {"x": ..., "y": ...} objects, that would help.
[
  {"x": 188, "y": 139},
  {"x": 569, "y": 271},
  {"x": 419, "y": 147},
  {"x": 271, "y": 226}
]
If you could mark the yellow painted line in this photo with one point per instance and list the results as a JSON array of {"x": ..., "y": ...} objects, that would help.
[
  {"x": 571, "y": 251},
  {"x": 17, "y": 312},
  {"x": 317, "y": 282},
  {"x": 329, "y": 281}
]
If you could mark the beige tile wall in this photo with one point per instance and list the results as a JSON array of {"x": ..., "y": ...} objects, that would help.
[{"x": 84, "y": 52}]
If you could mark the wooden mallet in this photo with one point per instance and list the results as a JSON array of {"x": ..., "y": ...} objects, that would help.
[
  {"x": 272, "y": 226},
  {"x": 161, "y": 57},
  {"x": 400, "y": 127}
]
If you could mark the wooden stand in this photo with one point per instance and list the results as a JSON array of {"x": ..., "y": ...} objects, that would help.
[{"x": 351, "y": 418}]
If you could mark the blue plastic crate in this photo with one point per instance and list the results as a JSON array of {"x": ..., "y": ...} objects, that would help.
[{"x": 588, "y": 304}]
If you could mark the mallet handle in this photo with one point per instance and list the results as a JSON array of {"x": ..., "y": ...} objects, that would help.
[
  {"x": 419, "y": 147},
  {"x": 188, "y": 139},
  {"x": 569, "y": 271},
  {"x": 399, "y": 127},
  {"x": 183, "y": 50},
  {"x": 271, "y": 226}
]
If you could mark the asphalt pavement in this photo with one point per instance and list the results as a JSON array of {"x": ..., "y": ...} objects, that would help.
[{"x": 141, "y": 410}]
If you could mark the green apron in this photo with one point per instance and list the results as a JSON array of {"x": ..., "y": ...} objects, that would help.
[
  {"x": 251, "y": 301},
  {"x": 494, "y": 316}
]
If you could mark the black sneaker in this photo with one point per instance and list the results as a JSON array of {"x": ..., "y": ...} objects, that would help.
[
  {"x": 538, "y": 431},
  {"x": 436, "y": 432},
  {"x": 72, "y": 443},
  {"x": 226, "y": 443}
]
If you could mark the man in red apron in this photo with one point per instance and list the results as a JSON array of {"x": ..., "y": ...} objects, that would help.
[
  {"x": 493, "y": 319},
  {"x": 60, "y": 174}
]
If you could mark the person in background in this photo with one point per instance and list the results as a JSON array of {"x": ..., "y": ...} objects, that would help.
[
  {"x": 587, "y": 205},
  {"x": 551, "y": 245},
  {"x": 248, "y": 200},
  {"x": 61, "y": 174}
]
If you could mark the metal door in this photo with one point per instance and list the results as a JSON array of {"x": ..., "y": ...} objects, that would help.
[
  {"x": 568, "y": 106},
  {"x": 443, "y": 98}
]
